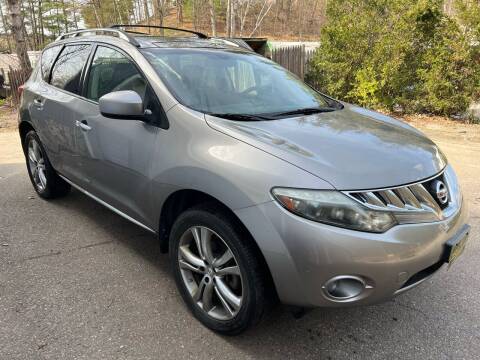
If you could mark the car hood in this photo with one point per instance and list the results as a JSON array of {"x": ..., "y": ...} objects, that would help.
[{"x": 352, "y": 148}]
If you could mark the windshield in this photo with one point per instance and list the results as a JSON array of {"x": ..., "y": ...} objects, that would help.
[{"x": 230, "y": 82}]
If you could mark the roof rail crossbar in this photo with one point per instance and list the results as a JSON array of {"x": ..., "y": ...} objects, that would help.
[
  {"x": 199, "y": 34},
  {"x": 101, "y": 31}
]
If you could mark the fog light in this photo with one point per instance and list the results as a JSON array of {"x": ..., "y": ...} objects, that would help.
[{"x": 344, "y": 287}]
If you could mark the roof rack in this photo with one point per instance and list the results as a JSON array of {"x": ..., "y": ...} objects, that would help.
[
  {"x": 199, "y": 34},
  {"x": 100, "y": 31}
]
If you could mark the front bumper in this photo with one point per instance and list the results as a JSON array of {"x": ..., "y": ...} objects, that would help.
[{"x": 303, "y": 255}]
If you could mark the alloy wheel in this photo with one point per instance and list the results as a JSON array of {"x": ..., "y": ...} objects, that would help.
[
  {"x": 210, "y": 273},
  {"x": 36, "y": 163}
]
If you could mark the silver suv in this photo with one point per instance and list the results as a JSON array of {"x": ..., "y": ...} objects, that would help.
[{"x": 259, "y": 187}]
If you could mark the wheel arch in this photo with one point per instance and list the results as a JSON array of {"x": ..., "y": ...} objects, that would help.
[
  {"x": 182, "y": 200},
  {"x": 24, "y": 127}
]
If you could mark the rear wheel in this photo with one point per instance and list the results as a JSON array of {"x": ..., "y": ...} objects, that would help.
[
  {"x": 44, "y": 179},
  {"x": 218, "y": 271}
]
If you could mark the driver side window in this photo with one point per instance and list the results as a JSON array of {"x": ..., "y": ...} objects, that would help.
[{"x": 113, "y": 71}]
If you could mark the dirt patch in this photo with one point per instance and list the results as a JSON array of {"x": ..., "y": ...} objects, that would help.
[
  {"x": 8, "y": 119},
  {"x": 10, "y": 148},
  {"x": 447, "y": 128}
]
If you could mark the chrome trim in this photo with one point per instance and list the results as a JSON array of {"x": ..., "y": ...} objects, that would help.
[
  {"x": 367, "y": 289},
  {"x": 108, "y": 206},
  {"x": 412, "y": 203},
  {"x": 400, "y": 186}
]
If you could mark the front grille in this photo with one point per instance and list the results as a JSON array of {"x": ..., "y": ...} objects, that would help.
[{"x": 417, "y": 199}]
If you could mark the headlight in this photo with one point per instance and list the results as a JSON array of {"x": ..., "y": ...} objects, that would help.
[
  {"x": 333, "y": 208},
  {"x": 453, "y": 185}
]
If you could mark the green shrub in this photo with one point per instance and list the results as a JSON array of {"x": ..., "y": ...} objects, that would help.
[
  {"x": 390, "y": 53},
  {"x": 468, "y": 14}
]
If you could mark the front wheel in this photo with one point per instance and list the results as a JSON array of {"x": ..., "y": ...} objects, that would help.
[{"x": 218, "y": 270}]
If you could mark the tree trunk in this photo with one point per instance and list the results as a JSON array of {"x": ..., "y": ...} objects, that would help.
[
  {"x": 28, "y": 40},
  {"x": 228, "y": 31},
  {"x": 243, "y": 17},
  {"x": 33, "y": 22},
  {"x": 17, "y": 29},
  {"x": 97, "y": 19},
  {"x": 117, "y": 9},
  {"x": 57, "y": 18},
  {"x": 5, "y": 28},
  {"x": 65, "y": 17},
  {"x": 212, "y": 17},
  {"x": 40, "y": 20},
  {"x": 179, "y": 12},
  {"x": 162, "y": 12},
  {"x": 74, "y": 11},
  {"x": 233, "y": 8},
  {"x": 261, "y": 15},
  {"x": 147, "y": 14},
  {"x": 135, "y": 15}
]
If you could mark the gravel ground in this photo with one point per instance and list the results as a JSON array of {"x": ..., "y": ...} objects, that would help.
[{"x": 79, "y": 282}]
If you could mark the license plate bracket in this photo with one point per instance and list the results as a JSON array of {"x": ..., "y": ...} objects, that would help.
[{"x": 455, "y": 246}]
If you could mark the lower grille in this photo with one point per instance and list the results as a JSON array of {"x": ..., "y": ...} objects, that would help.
[
  {"x": 420, "y": 277},
  {"x": 423, "y": 274}
]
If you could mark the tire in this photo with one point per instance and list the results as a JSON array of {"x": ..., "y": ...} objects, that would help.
[
  {"x": 45, "y": 180},
  {"x": 253, "y": 276}
]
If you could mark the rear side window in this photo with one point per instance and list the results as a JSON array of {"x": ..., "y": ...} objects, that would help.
[
  {"x": 48, "y": 57},
  {"x": 67, "y": 70}
]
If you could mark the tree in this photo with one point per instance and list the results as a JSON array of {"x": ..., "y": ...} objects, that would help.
[
  {"x": 212, "y": 17},
  {"x": 18, "y": 30},
  {"x": 468, "y": 13},
  {"x": 267, "y": 5},
  {"x": 413, "y": 56},
  {"x": 5, "y": 28},
  {"x": 101, "y": 13},
  {"x": 44, "y": 20}
]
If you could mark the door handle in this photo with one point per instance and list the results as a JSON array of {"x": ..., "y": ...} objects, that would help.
[
  {"x": 83, "y": 125},
  {"x": 38, "y": 102}
]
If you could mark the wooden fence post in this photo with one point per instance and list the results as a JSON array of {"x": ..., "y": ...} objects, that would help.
[
  {"x": 294, "y": 58},
  {"x": 16, "y": 77}
]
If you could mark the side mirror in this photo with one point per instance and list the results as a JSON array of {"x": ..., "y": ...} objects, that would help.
[{"x": 125, "y": 104}]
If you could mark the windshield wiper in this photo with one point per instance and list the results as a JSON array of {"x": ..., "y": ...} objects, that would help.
[
  {"x": 242, "y": 117},
  {"x": 272, "y": 116},
  {"x": 304, "y": 111}
]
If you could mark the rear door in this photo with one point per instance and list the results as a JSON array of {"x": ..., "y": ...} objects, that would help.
[
  {"x": 116, "y": 155},
  {"x": 35, "y": 96},
  {"x": 61, "y": 105}
]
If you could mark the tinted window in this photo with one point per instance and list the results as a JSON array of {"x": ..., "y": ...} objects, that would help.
[
  {"x": 68, "y": 68},
  {"x": 233, "y": 82},
  {"x": 113, "y": 71},
  {"x": 48, "y": 57}
]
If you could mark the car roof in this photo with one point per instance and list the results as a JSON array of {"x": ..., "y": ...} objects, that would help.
[
  {"x": 142, "y": 40},
  {"x": 190, "y": 42}
]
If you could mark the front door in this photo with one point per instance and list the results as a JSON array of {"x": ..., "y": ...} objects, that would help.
[{"x": 116, "y": 155}]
